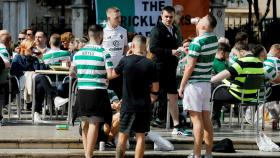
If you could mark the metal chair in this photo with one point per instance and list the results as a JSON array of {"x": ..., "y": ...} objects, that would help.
[
  {"x": 252, "y": 82},
  {"x": 18, "y": 96},
  {"x": 4, "y": 80}
]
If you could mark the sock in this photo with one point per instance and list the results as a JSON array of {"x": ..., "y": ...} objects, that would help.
[{"x": 177, "y": 126}]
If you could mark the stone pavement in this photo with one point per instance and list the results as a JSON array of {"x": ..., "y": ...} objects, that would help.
[{"x": 22, "y": 139}]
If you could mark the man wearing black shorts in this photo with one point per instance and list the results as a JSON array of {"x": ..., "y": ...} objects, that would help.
[{"x": 140, "y": 88}]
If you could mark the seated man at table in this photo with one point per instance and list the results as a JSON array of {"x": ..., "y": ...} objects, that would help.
[
  {"x": 246, "y": 64},
  {"x": 55, "y": 56},
  {"x": 221, "y": 59},
  {"x": 272, "y": 69}
]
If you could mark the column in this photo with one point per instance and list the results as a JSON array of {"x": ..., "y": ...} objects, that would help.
[
  {"x": 218, "y": 10},
  {"x": 78, "y": 17},
  {"x": 14, "y": 16}
]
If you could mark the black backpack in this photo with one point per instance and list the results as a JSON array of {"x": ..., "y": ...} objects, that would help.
[{"x": 225, "y": 146}]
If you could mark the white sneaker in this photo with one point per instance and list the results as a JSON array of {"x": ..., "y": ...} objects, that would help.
[
  {"x": 37, "y": 117},
  {"x": 58, "y": 101},
  {"x": 193, "y": 156}
]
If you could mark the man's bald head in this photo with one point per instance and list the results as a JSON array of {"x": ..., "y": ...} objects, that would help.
[{"x": 4, "y": 36}]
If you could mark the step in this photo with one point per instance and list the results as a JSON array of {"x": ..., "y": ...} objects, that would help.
[
  {"x": 78, "y": 153},
  {"x": 70, "y": 143}
]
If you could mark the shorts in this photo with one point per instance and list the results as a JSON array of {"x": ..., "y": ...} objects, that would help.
[
  {"x": 92, "y": 119},
  {"x": 93, "y": 103},
  {"x": 139, "y": 122},
  {"x": 197, "y": 97}
]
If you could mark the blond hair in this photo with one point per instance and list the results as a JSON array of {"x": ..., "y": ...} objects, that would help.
[
  {"x": 111, "y": 10},
  {"x": 26, "y": 44}
]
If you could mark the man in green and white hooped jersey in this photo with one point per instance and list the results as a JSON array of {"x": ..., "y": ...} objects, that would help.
[
  {"x": 4, "y": 54},
  {"x": 195, "y": 87},
  {"x": 92, "y": 65},
  {"x": 55, "y": 55},
  {"x": 272, "y": 70}
]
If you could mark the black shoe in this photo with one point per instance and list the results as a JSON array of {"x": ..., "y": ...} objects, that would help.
[
  {"x": 157, "y": 123},
  {"x": 110, "y": 144},
  {"x": 28, "y": 106},
  {"x": 216, "y": 123}
]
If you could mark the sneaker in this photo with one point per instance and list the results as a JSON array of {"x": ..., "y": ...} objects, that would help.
[
  {"x": 181, "y": 132},
  {"x": 110, "y": 144},
  {"x": 208, "y": 156},
  {"x": 157, "y": 123},
  {"x": 37, "y": 117},
  {"x": 58, "y": 101},
  {"x": 192, "y": 156}
]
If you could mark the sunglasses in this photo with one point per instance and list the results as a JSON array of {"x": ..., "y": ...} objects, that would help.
[
  {"x": 29, "y": 34},
  {"x": 20, "y": 39}
]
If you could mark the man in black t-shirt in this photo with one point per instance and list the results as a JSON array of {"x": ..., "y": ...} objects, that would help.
[{"x": 140, "y": 89}]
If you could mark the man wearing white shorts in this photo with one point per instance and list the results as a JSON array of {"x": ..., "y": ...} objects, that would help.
[
  {"x": 197, "y": 96},
  {"x": 195, "y": 84}
]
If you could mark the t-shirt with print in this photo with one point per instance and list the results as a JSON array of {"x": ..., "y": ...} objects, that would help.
[
  {"x": 138, "y": 75},
  {"x": 54, "y": 57},
  {"x": 114, "y": 41},
  {"x": 4, "y": 54},
  {"x": 203, "y": 48},
  {"x": 92, "y": 62}
]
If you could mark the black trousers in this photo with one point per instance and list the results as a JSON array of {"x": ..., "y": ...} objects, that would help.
[
  {"x": 42, "y": 87},
  {"x": 221, "y": 97},
  {"x": 275, "y": 94}
]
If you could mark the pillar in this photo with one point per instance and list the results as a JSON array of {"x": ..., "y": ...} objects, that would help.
[
  {"x": 218, "y": 10},
  {"x": 78, "y": 17}
]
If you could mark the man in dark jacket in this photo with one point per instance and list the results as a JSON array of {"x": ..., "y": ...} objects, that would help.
[{"x": 164, "y": 45}]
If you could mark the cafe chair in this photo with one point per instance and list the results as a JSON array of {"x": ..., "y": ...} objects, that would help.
[{"x": 252, "y": 82}]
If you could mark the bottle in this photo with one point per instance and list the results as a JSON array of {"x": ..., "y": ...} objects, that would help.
[
  {"x": 222, "y": 116},
  {"x": 62, "y": 127},
  {"x": 101, "y": 146}
]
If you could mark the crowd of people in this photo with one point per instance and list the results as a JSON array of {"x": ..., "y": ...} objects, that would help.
[{"x": 120, "y": 77}]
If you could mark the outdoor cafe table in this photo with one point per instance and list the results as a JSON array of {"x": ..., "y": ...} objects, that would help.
[{"x": 56, "y": 73}]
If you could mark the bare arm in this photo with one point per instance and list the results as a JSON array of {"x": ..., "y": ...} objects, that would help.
[
  {"x": 125, "y": 50},
  {"x": 220, "y": 76},
  {"x": 111, "y": 74},
  {"x": 73, "y": 71},
  {"x": 187, "y": 73}
]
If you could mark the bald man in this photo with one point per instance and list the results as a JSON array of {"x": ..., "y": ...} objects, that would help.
[
  {"x": 115, "y": 42},
  {"x": 5, "y": 39}
]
